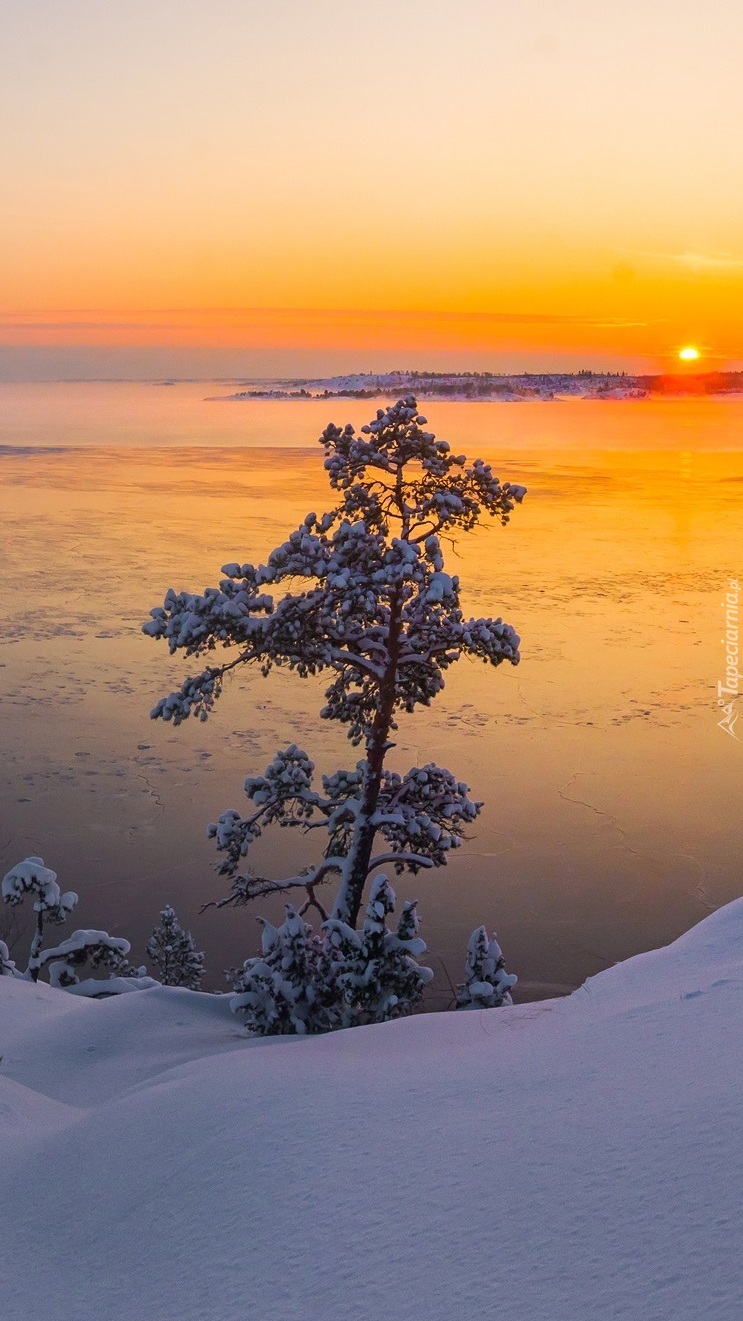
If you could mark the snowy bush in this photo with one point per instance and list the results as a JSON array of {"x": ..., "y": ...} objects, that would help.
[
  {"x": 173, "y": 953},
  {"x": 372, "y": 607},
  {"x": 287, "y": 989},
  {"x": 31, "y": 877},
  {"x": 62, "y": 961},
  {"x": 487, "y": 985},
  {"x": 305, "y": 982},
  {"x": 98, "y": 950},
  {"x": 376, "y": 973},
  {"x": 7, "y": 966}
]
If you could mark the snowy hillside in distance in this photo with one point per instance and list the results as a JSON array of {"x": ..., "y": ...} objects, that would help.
[{"x": 572, "y": 1160}]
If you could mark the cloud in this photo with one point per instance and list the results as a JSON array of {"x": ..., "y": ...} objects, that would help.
[
  {"x": 695, "y": 263},
  {"x": 702, "y": 263},
  {"x": 213, "y": 318},
  {"x": 85, "y": 325}
]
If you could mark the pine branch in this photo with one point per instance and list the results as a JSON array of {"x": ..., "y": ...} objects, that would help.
[
  {"x": 246, "y": 888},
  {"x": 416, "y": 860}
]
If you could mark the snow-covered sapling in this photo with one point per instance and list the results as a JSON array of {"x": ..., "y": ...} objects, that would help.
[
  {"x": 96, "y": 948},
  {"x": 376, "y": 971},
  {"x": 50, "y": 904},
  {"x": 7, "y": 966},
  {"x": 172, "y": 950},
  {"x": 487, "y": 985},
  {"x": 307, "y": 982},
  {"x": 373, "y": 607},
  {"x": 284, "y": 990}
]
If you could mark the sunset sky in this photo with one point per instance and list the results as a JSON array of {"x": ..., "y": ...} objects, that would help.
[{"x": 219, "y": 186}]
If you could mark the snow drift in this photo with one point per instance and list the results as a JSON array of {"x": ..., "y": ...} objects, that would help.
[{"x": 573, "y": 1159}]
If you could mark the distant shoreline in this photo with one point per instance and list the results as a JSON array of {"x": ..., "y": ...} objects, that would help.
[{"x": 466, "y": 387}]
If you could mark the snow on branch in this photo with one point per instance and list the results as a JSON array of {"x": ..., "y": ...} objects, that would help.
[
  {"x": 32, "y": 877},
  {"x": 423, "y": 813},
  {"x": 97, "y": 988},
  {"x": 94, "y": 946}
]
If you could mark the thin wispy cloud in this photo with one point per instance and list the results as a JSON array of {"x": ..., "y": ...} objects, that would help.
[
  {"x": 194, "y": 319},
  {"x": 712, "y": 262},
  {"x": 694, "y": 262},
  {"x": 86, "y": 325}
]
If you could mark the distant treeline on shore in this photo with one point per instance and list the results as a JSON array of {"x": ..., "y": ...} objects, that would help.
[{"x": 490, "y": 385}]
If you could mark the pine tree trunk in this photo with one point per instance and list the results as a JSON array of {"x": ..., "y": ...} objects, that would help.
[
  {"x": 356, "y": 870},
  {"x": 34, "y": 962}
]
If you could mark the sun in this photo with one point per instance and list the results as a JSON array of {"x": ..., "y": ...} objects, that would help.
[{"x": 689, "y": 353}]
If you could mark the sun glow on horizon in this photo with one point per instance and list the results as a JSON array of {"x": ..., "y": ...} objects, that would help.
[{"x": 689, "y": 353}]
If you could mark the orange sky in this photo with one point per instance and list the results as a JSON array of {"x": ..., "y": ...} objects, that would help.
[{"x": 494, "y": 183}]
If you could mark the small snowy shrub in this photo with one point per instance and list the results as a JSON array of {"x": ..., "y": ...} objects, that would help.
[
  {"x": 487, "y": 985},
  {"x": 7, "y": 966},
  {"x": 286, "y": 989},
  {"x": 306, "y": 983},
  {"x": 61, "y": 962},
  {"x": 364, "y": 599},
  {"x": 376, "y": 974},
  {"x": 95, "y": 949},
  {"x": 173, "y": 952},
  {"x": 31, "y": 877}
]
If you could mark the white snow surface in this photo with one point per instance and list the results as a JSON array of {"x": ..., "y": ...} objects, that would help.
[{"x": 568, "y": 1160}]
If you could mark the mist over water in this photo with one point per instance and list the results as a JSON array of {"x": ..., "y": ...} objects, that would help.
[{"x": 611, "y": 818}]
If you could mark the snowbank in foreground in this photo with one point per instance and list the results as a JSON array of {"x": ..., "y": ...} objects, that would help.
[{"x": 572, "y": 1160}]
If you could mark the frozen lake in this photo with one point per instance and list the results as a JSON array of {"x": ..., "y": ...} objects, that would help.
[{"x": 612, "y": 798}]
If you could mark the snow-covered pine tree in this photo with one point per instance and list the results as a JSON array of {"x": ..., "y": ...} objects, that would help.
[
  {"x": 61, "y": 962},
  {"x": 50, "y": 904},
  {"x": 305, "y": 982},
  {"x": 379, "y": 614},
  {"x": 174, "y": 954},
  {"x": 289, "y": 987},
  {"x": 487, "y": 985},
  {"x": 375, "y": 969}
]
